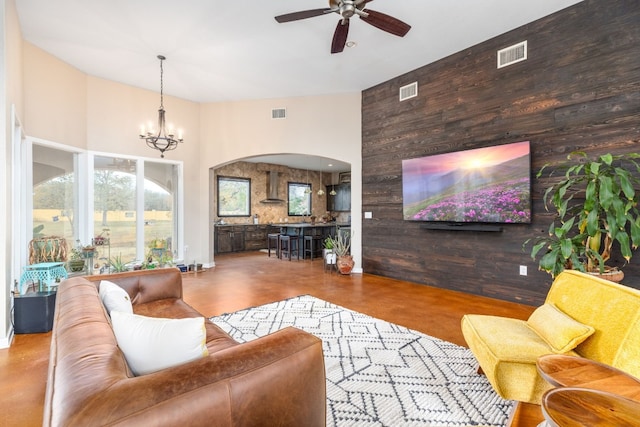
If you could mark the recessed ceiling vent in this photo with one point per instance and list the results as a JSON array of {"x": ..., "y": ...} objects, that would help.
[
  {"x": 512, "y": 54},
  {"x": 279, "y": 113},
  {"x": 409, "y": 91}
]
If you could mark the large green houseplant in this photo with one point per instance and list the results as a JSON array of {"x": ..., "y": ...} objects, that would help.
[{"x": 596, "y": 204}]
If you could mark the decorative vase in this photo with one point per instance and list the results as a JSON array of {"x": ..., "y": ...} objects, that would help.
[{"x": 345, "y": 264}]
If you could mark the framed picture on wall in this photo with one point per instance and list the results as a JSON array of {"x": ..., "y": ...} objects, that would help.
[{"x": 344, "y": 177}]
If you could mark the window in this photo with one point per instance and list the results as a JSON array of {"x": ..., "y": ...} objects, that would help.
[
  {"x": 54, "y": 194},
  {"x": 114, "y": 194},
  {"x": 160, "y": 225},
  {"x": 234, "y": 196},
  {"x": 80, "y": 195},
  {"x": 299, "y": 198}
]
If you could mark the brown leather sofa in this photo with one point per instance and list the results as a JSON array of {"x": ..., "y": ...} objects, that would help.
[{"x": 277, "y": 380}]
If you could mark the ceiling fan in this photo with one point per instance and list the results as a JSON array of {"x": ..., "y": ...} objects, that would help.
[{"x": 346, "y": 9}]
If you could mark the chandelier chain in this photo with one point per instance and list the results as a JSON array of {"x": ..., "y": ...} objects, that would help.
[
  {"x": 161, "y": 140},
  {"x": 162, "y": 58}
]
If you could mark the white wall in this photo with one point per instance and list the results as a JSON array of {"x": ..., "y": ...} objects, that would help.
[
  {"x": 10, "y": 95},
  {"x": 5, "y": 206},
  {"x": 66, "y": 106},
  {"x": 328, "y": 126}
]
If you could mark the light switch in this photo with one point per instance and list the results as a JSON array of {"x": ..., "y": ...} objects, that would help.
[{"x": 368, "y": 215}]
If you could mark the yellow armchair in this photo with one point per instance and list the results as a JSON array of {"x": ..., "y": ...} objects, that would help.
[{"x": 582, "y": 315}]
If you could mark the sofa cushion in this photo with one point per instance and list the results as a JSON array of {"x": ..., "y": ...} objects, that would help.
[
  {"x": 150, "y": 344},
  {"x": 559, "y": 330},
  {"x": 114, "y": 298}
]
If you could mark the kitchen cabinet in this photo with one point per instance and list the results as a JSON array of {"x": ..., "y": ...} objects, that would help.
[
  {"x": 255, "y": 237},
  {"x": 236, "y": 238},
  {"x": 229, "y": 238},
  {"x": 341, "y": 202}
]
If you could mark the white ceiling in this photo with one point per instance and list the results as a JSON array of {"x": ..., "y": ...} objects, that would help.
[{"x": 235, "y": 50}]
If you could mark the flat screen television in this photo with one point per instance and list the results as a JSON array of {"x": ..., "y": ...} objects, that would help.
[{"x": 490, "y": 185}]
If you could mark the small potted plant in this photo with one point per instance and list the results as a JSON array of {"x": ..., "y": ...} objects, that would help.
[
  {"x": 327, "y": 251},
  {"x": 116, "y": 265},
  {"x": 101, "y": 239},
  {"x": 596, "y": 204},
  {"x": 76, "y": 261},
  {"x": 341, "y": 244}
]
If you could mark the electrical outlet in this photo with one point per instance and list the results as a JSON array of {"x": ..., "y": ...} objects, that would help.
[
  {"x": 368, "y": 215},
  {"x": 523, "y": 270}
]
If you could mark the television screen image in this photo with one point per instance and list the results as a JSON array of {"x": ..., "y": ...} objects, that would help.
[{"x": 483, "y": 185}]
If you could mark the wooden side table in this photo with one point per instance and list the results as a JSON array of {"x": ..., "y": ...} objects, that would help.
[
  {"x": 571, "y": 371},
  {"x": 579, "y": 407}
]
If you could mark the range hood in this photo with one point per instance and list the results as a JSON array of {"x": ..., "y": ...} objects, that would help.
[{"x": 272, "y": 188}]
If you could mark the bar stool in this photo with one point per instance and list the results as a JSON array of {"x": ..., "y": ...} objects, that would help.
[
  {"x": 275, "y": 239},
  {"x": 288, "y": 245},
  {"x": 312, "y": 245}
]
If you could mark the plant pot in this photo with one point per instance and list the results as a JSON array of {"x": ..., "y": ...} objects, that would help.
[
  {"x": 345, "y": 264},
  {"x": 76, "y": 265},
  {"x": 612, "y": 275}
]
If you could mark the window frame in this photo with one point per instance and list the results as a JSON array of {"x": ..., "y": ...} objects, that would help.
[
  {"x": 84, "y": 201},
  {"x": 246, "y": 209},
  {"x": 305, "y": 185}
]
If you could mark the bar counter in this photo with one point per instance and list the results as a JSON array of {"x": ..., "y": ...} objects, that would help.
[{"x": 307, "y": 229}]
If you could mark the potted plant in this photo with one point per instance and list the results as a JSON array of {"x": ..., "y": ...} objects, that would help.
[
  {"x": 116, "y": 264},
  {"x": 327, "y": 251},
  {"x": 76, "y": 261},
  {"x": 341, "y": 244},
  {"x": 101, "y": 239},
  {"x": 596, "y": 204}
]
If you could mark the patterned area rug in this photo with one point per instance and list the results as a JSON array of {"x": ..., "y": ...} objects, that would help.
[{"x": 379, "y": 373}]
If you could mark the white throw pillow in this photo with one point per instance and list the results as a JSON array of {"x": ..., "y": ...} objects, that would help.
[
  {"x": 114, "y": 297},
  {"x": 150, "y": 343}
]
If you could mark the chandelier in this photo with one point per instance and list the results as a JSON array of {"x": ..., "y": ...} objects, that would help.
[{"x": 161, "y": 140}]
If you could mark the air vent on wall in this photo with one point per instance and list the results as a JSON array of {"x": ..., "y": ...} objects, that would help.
[
  {"x": 512, "y": 54},
  {"x": 409, "y": 91},
  {"x": 279, "y": 113}
]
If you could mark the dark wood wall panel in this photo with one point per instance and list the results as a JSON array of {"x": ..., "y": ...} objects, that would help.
[{"x": 579, "y": 89}]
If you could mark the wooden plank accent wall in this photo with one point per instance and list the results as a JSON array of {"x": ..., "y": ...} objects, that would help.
[{"x": 579, "y": 89}]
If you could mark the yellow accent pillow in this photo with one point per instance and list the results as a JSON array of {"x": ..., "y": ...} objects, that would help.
[{"x": 556, "y": 328}]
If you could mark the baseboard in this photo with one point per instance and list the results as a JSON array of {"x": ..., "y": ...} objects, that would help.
[{"x": 6, "y": 341}]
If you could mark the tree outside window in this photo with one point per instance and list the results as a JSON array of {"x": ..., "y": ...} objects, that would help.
[
  {"x": 299, "y": 198},
  {"x": 234, "y": 196}
]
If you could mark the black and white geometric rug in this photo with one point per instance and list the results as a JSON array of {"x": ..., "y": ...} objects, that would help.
[{"x": 379, "y": 373}]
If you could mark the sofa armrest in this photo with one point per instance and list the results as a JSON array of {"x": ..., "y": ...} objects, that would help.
[{"x": 278, "y": 379}]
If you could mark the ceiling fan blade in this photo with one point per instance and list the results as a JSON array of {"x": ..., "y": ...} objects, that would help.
[
  {"x": 386, "y": 23},
  {"x": 340, "y": 36},
  {"x": 295, "y": 16}
]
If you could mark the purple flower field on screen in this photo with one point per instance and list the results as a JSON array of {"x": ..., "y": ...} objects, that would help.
[{"x": 504, "y": 202}]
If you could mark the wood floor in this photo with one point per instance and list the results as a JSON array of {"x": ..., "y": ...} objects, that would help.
[{"x": 251, "y": 279}]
